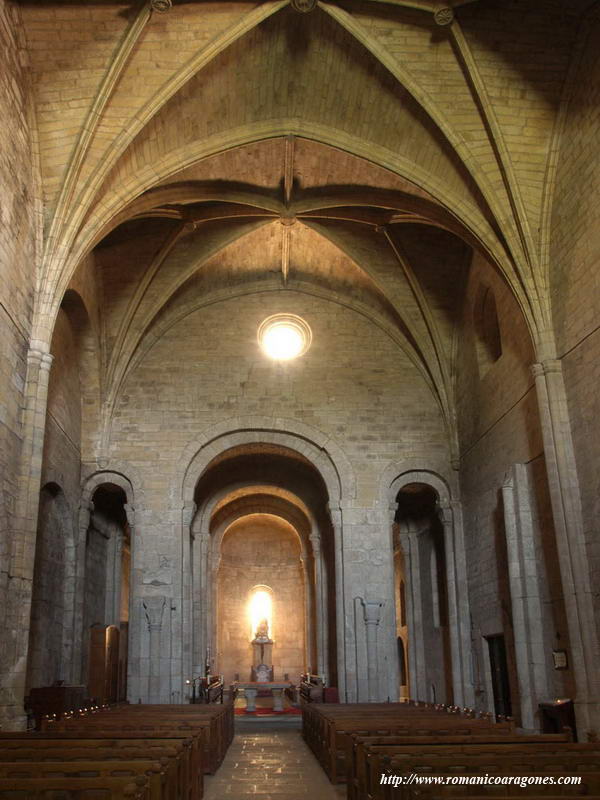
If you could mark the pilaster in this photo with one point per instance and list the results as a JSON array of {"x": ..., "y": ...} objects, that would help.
[
  {"x": 568, "y": 525},
  {"x": 22, "y": 554}
]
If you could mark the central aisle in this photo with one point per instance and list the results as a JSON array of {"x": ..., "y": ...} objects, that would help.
[{"x": 270, "y": 761}]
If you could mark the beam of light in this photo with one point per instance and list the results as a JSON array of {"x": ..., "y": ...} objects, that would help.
[{"x": 260, "y": 608}]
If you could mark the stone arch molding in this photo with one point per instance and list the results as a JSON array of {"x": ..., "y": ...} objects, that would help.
[
  {"x": 116, "y": 474},
  {"x": 92, "y": 482},
  {"x": 221, "y": 530},
  {"x": 396, "y": 476},
  {"x": 324, "y": 453}
]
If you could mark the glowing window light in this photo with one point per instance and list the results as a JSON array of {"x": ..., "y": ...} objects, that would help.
[
  {"x": 284, "y": 336},
  {"x": 260, "y": 609}
]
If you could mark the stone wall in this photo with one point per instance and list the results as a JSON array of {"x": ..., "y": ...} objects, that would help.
[
  {"x": 18, "y": 258},
  {"x": 62, "y": 441},
  {"x": 575, "y": 279},
  {"x": 498, "y": 423},
  {"x": 261, "y": 550},
  {"x": 353, "y": 385},
  {"x": 94, "y": 599},
  {"x": 48, "y": 636}
]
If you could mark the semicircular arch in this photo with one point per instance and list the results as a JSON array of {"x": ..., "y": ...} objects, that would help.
[{"x": 325, "y": 455}]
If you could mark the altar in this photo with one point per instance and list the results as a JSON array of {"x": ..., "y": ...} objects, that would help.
[
  {"x": 252, "y": 688},
  {"x": 261, "y": 671}
]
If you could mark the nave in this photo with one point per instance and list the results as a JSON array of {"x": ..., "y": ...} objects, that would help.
[
  {"x": 359, "y": 751},
  {"x": 270, "y": 760}
]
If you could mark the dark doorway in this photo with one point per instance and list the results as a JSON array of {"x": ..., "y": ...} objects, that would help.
[
  {"x": 499, "y": 670},
  {"x": 402, "y": 662}
]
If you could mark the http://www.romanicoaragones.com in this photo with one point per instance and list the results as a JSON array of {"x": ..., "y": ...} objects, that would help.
[{"x": 523, "y": 781}]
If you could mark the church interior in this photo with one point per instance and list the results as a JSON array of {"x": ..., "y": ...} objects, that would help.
[{"x": 299, "y": 358}]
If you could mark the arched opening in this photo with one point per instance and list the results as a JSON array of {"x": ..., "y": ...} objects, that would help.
[
  {"x": 261, "y": 588},
  {"x": 263, "y": 560},
  {"x": 260, "y": 611},
  {"x": 402, "y": 663},
  {"x": 420, "y": 565},
  {"x": 401, "y": 625},
  {"x": 488, "y": 341},
  {"x": 50, "y": 632},
  {"x": 106, "y": 595}
]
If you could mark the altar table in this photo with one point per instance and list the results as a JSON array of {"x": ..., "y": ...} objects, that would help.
[{"x": 251, "y": 689}]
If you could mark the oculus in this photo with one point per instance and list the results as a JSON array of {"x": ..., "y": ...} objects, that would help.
[{"x": 283, "y": 337}]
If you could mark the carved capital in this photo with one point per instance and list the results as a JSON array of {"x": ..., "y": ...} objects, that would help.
[
  {"x": 40, "y": 358},
  {"x": 187, "y": 514},
  {"x": 443, "y": 15},
  {"x": 161, "y": 6},
  {"x": 509, "y": 480},
  {"x": 372, "y": 611},
  {"x": 336, "y": 516},
  {"x": 153, "y": 608},
  {"x": 537, "y": 370},
  {"x": 130, "y": 514},
  {"x": 445, "y": 514},
  {"x": 46, "y": 361}
]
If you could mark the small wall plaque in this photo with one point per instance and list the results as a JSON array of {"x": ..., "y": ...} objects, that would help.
[{"x": 560, "y": 659}]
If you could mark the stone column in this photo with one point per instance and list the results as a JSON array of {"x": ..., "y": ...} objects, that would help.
[
  {"x": 277, "y": 699},
  {"x": 321, "y": 608},
  {"x": 86, "y": 510},
  {"x": 525, "y": 594},
  {"x": 459, "y": 615},
  {"x": 188, "y": 568},
  {"x": 309, "y": 609},
  {"x": 153, "y": 608},
  {"x": 201, "y": 547},
  {"x": 372, "y": 618},
  {"x": 409, "y": 540},
  {"x": 250, "y": 695},
  {"x": 22, "y": 554},
  {"x": 134, "y": 626},
  {"x": 570, "y": 540},
  {"x": 212, "y": 603},
  {"x": 113, "y": 575},
  {"x": 340, "y": 592}
]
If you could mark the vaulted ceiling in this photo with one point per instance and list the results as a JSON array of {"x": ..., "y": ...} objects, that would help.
[{"x": 356, "y": 150}]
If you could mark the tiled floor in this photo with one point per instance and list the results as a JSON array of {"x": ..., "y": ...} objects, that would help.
[{"x": 270, "y": 763}]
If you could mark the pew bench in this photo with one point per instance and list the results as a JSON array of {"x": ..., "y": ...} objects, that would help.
[
  {"x": 336, "y": 745},
  {"x": 75, "y": 788},
  {"x": 162, "y": 783},
  {"x": 188, "y": 752},
  {"x": 360, "y": 762},
  {"x": 212, "y": 744},
  {"x": 169, "y": 759}
]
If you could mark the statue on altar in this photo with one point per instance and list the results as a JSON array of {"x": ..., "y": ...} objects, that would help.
[
  {"x": 262, "y": 653},
  {"x": 262, "y": 632}
]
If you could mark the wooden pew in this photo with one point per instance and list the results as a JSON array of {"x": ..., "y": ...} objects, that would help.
[
  {"x": 212, "y": 728},
  {"x": 188, "y": 750},
  {"x": 315, "y": 717},
  {"x": 169, "y": 746},
  {"x": 507, "y": 765},
  {"x": 74, "y": 788},
  {"x": 169, "y": 759},
  {"x": 311, "y": 688},
  {"x": 361, "y": 766},
  {"x": 161, "y": 783},
  {"x": 329, "y": 728}
]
